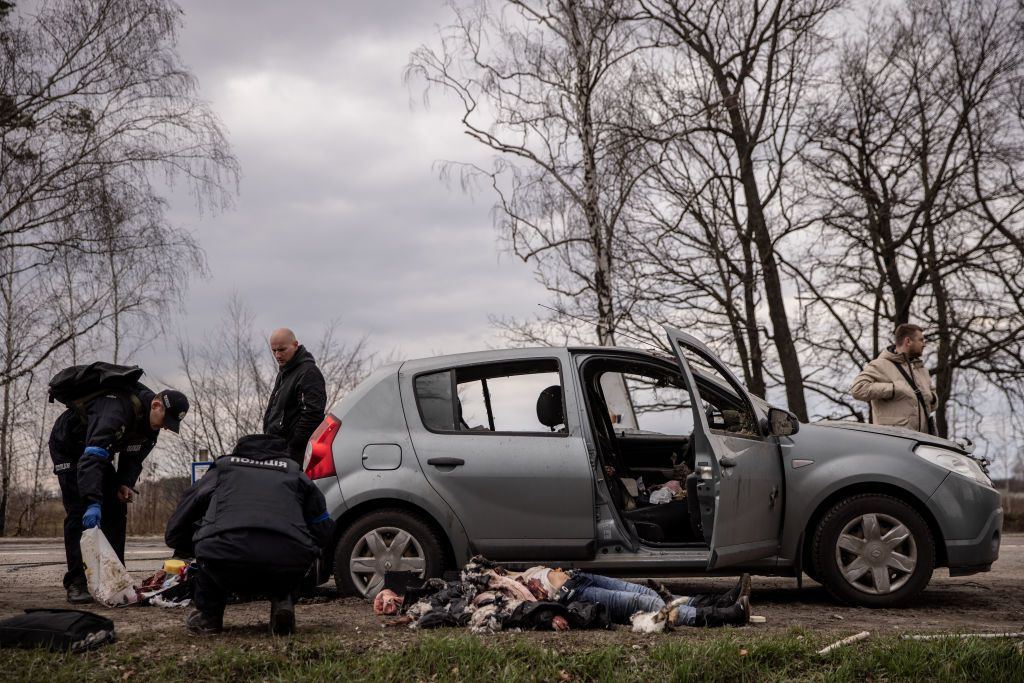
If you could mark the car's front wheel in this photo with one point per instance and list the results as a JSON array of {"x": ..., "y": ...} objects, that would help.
[
  {"x": 385, "y": 541},
  {"x": 873, "y": 550}
]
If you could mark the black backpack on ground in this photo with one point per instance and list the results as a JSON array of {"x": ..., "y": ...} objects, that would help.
[
  {"x": 57, "y": 629},
  {"x": 77, "y": 385}
]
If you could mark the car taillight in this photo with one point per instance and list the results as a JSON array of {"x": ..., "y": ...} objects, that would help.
[{"x": 321, "y": 454}]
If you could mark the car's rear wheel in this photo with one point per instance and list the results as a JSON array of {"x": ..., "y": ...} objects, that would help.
[
  {"x": 385, "y": 541},
  {"x": 873, "y": 550}
]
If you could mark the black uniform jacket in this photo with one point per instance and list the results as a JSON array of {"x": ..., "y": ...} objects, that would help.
[
  {"x": 297, "y": 402},
  {"x": 252, "y": 506},
  {"x": 111, "y": 425}
]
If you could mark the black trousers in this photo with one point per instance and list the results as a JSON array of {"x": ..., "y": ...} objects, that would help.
[
  {"x": 114, "y": 522},
  {"x": 217, "y": 580}
]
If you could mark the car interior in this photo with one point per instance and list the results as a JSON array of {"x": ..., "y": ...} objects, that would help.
[{"x": 638, "y": 462}]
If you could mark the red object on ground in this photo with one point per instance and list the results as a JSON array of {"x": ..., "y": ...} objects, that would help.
[{"x": 386, "y": 603}]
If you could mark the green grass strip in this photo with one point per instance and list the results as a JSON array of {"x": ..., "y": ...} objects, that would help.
[{"x": 508, "y": 657}]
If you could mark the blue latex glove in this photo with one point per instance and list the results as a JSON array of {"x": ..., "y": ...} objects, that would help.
[{"x": 91, "y": 518}]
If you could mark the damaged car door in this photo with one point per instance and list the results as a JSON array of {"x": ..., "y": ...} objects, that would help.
[{"x": 737, "y": 461}]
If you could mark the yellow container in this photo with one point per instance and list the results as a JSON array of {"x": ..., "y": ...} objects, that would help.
[{"x": 174, "y": 566}]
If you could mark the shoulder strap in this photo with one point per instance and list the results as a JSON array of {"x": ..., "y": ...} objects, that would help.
[
  {"x": 913, "y": 385},
  {"x": 80, "y": 404},
  {"x": 136, "y": 405}
]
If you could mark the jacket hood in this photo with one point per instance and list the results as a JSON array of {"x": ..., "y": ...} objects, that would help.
[
  {"x": 890, "y": 355},
  {"x": 261, "y": 447},
  {"x": 301, "y": 356},
  {"x": 890, "y": 431}
]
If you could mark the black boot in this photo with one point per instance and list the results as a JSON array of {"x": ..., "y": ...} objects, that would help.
[
  {"x": 78, "y": 593},
  {"x": 203, "y": 624},
  {"x": 741, "y": 589},
  {"x": 727, "y": 599},
  {"x": 736, "y": 614},
  {"x": 282, "y": 616}
]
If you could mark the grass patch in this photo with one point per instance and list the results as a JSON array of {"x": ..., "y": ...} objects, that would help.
[{"x": 510, "y": 657}]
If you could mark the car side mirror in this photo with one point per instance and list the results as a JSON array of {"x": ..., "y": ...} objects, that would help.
[{"x": 782, "y": 422}]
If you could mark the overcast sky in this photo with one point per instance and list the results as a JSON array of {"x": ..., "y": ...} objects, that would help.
[{"x": 340, "y": 210}]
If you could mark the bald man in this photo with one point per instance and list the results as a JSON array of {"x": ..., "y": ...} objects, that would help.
[{"x": 299, "y": 398}]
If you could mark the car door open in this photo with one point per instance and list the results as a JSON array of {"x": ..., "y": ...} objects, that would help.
[{"x": 740, "y": 469}]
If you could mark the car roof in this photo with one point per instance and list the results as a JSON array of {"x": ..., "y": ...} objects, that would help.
[
  {"x": 492, "y": 355},
  {"x": 497, "y": 355}
]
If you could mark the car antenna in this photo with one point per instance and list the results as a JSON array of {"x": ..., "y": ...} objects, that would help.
[{"x": 645, "y": 342}]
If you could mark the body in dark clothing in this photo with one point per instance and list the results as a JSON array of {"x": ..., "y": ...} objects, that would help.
[
  {"x": 254, "y": 522},
  {"x": 95, "y": 453},
  {"x": 297, "y": 403}
]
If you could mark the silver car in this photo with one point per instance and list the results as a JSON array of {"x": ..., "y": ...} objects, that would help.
[{"x": 631, "y": 463}]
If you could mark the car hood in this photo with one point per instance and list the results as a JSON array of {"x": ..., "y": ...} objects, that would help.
[{"x": 890, "y": 431}]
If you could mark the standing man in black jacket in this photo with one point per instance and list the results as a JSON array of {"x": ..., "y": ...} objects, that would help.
[
  {"x": 299, "y": 398},
  {"x": 97, "y": 452},
  {"x": 254, "y": 523}
]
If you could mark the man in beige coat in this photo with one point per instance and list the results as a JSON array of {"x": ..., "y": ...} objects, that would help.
[{"x": 897, "y": 384}]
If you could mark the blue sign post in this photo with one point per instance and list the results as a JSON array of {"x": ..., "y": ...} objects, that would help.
[{"x": 199, "y": 469}]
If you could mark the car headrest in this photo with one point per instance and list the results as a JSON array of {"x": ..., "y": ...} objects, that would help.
[{"x": 549, "y": 407}]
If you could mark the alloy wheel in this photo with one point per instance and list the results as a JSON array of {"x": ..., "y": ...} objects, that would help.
[
  {"x": 381, "y": 550},
  {"x": 876, "y": 553}
]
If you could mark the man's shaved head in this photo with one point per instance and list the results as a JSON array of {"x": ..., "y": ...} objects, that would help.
[
  {"x": 283, "y": 335},
  {"x": 283, "y": 345}
]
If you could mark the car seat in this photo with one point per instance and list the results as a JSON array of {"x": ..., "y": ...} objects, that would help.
[
  {"x": 663, "y": 522},
  {"x": 550, "y": 411}
]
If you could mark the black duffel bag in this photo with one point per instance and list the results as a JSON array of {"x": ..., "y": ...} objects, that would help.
[{"x": 58, "y": 629}]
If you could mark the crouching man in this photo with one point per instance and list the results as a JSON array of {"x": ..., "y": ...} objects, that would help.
[{"x": 255, "y": 523}]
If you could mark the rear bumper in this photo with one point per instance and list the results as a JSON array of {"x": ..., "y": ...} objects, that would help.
[{"x": 971, "y": 519}]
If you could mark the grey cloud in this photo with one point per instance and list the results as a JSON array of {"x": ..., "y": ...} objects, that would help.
[
  {"x": 223, "y": 33},
  {"x": 341, "y": 213}
]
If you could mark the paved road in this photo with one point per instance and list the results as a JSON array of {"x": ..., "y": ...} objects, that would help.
[{"x": 20, "y": 554}]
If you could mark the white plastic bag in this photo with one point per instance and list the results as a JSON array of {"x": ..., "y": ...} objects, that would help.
[
  {"x": 660, "y": 497},
  {"x": 109, "y": 581}
]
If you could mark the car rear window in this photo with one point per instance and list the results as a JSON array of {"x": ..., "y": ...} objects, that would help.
[
  {"x": 434, "y": 397},
  {"x": 494, "y": 397}
]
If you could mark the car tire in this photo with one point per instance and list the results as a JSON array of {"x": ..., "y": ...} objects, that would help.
[
  {"x": 873, "y": 550},
  {"x": 382, "y": 541}
]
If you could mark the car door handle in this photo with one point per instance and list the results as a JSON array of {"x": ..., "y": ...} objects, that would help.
[
  {"x": 726, "y": 461},
  {"x": 446, "y": 462}
]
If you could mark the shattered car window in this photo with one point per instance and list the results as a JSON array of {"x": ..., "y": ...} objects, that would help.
[{"x": 726, "y": 410}]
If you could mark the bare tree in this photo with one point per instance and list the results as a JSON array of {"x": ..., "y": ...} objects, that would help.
[
  {"x": 97, "y": 115},
  {"x": 548, "y": 86},
  {"x": 227, "y": 384},
  {"x": 229, "y": 377},
  {"x": 748, "y": 59},
  {"x": 694, "y": 257},
  {"x": 146, "y": 263},
  {"x": 917, "y": 172},
  {"x": 95, "y": 107}
]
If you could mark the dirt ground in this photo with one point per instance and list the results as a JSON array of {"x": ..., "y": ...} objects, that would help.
[{"x": 31, "y": 571}]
